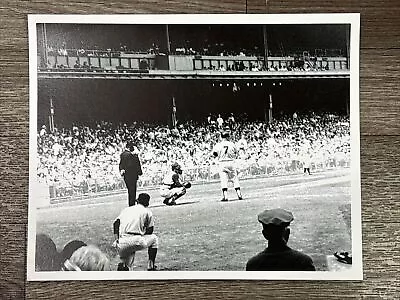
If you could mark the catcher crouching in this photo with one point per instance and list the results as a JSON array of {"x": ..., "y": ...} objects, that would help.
[{"x": 172, "y": 188}]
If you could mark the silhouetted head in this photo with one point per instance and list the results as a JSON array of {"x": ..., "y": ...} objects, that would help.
[
  {"x": 46, "y": 255},
  {"x": 275, "y": 225}
]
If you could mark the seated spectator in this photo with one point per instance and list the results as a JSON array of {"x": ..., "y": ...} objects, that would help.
[
  {"x": 87, "y": 258},
  {"x": 69, "y": 249},
  {"x": 278, "y": 256},
  {"x": 46, "y": 255}
]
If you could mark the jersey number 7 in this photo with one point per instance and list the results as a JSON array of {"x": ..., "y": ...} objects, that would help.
[{"x": 226, "y": 149}]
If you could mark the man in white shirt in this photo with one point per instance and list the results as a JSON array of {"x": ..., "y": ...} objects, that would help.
[
  {"x": 220, "y": 121},
  {"x": 133, "y": 230}
]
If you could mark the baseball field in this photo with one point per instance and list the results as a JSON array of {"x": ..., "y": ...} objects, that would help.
[{"x": 202, "y": 233}]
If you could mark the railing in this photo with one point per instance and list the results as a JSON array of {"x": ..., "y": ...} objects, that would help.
[
  {"x": 126, "y": 61},
  {"x": 243, "y": 63},
  {"x": 195, "y": 175}
]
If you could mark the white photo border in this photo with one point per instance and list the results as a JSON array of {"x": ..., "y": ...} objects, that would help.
[{"x": 353, "y": 19}]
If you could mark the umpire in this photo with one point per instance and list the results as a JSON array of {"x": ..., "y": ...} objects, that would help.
[
  {"x": 130, "y": 168},
  {"x": 278, "y": 256}
]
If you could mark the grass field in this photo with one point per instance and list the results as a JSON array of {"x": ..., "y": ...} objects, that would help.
[{"x": 201, "y": 233}]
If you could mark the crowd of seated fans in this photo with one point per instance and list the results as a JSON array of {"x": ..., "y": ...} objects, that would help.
[{"x": 84, "y": 159}]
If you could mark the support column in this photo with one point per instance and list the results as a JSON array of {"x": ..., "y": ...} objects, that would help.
[
  {"x": 348, "y": 46},
  {"x": 168, "y": 42},
  {"x": 265, "y": 46},
  {"x": 51, "y": 116},
  {"x": 173, "y": 117},
  {"x": 270, "y": 109}
]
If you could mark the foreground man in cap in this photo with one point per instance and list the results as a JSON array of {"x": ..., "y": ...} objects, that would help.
[
  {"x": 133, "y": 230},
  {"x": 278, "y": 256}
]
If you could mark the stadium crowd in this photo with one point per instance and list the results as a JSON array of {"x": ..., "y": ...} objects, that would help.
[{"x": 85, "y": 159}]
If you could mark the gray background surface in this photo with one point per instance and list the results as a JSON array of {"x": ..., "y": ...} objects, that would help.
[{"x": 380, "y": 155}]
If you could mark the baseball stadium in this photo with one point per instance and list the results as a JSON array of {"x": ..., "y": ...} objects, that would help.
[{"x": 281, "y": 91}]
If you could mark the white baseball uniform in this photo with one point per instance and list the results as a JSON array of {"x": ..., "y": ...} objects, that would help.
[
  {"x": 227, "y": 154},
  {"x": 134, "y": 221}
]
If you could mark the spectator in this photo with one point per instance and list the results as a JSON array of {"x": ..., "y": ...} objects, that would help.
[
  {"x": 69, "y": 249},
  {"x": 46, "y": 255},
  {"x": 231, "y": 122},
  {"x": 220, "y": 121},
  {"x": 278, "y": 256},
  {"x": 87, "y": 258}
]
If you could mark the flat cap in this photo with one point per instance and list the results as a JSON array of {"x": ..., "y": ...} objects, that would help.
[{"x": 278, "y": 217}]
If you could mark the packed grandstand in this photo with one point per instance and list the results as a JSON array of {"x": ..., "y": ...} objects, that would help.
[{"x": 84, "y": 159}]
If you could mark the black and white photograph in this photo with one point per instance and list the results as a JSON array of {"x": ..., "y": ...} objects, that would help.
[{"x": 194, "y": 147}]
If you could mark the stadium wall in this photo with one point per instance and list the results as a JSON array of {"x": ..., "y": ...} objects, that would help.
[{"x": 62, "y": 192}]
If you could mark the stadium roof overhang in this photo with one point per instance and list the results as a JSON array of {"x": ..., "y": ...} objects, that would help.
[{"x": 200, "y": 74}]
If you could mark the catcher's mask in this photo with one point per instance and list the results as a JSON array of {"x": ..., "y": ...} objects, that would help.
[{"x": 177, "y": 168}]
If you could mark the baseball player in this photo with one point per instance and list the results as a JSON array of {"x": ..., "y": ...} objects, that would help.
[
  {"x": 226, "y": 152},
  {"x": 133, "y": 230},
  {"x": 242, "y": 146},
  {"x": 307, "y": 163},
  {"x": 171, "y": 188}
]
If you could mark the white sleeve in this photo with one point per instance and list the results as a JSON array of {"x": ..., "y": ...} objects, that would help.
[{"x": 151, "y": 219}]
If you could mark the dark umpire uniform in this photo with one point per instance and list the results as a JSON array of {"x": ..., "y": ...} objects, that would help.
[
  {"x": 131, "y": 169},
  {"x": 278, "y": 256}
]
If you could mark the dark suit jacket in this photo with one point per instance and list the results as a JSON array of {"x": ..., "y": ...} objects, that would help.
[{"x": 131, "y": 164}]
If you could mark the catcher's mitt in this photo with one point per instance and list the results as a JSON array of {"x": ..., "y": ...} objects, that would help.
[{"x": 187, "y": 185}]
